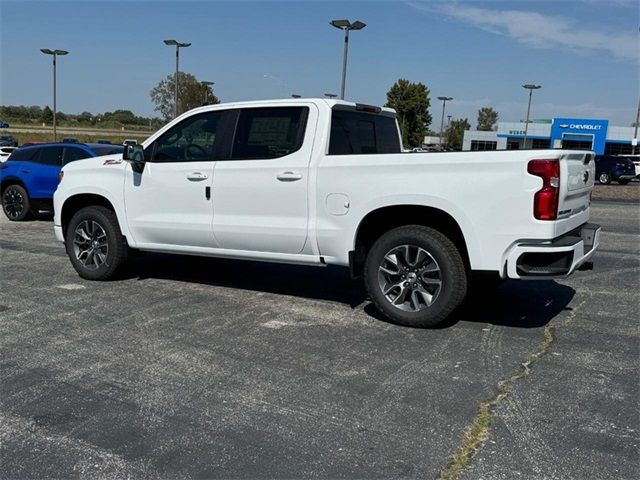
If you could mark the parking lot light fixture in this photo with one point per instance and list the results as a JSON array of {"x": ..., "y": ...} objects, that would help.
[
  {"x": 206, "y": 84},
  {"x": 178, "y": 45},
  {"x": 531, "y": 87},
  {"x": 54, "y": 54},
  {"x": 347, "y": 26},
  {"x": 444, "y": 102},
  {"x": 330, "y": 95}
]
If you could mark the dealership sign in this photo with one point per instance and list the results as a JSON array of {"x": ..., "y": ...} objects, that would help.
[
  {"x": 584, "y": 130},
  {"x": 580, "y": 126}
]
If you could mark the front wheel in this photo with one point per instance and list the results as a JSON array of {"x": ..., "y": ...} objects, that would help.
[
  {"x": 624, "y": 182},
  {"x": 95, "y": 244},
  {"x": 415, "y": 276},
  {"x": 604, "y": 178},
  {"x": 16, "y": 203}
]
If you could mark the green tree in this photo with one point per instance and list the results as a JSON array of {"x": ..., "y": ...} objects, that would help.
[
  {"x": 191, "y": 94},
  {"x": 85, "y": 117},
  {"x": 47, "y": 115},
  {"x": 411, "y": 102},
  {"x": 454, "y": 134},
  {"x": 487, "y": 118}
]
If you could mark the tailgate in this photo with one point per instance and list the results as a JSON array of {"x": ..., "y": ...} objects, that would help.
[{"x": 577, "y": 174}]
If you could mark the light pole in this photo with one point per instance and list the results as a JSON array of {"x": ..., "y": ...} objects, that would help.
[
  {"x": 178, "y": 46},
  {"x": 635, "y": 130},
  {"x": 206, "y": 84},
  {"x": 444, "y": 102},
  {"x": 54, "y": 54},
  {"x": 347, "y": 26},
  {"x": 531, "y": 87}
]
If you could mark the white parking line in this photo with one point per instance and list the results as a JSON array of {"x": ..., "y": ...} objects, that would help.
[{"x": 71, "y": 286}]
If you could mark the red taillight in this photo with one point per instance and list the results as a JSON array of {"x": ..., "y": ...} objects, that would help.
[{"x": 545, "y": 201}]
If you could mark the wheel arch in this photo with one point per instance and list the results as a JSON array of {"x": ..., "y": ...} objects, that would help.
[
  {"x": 12, "y": 180},
  {"x": 81, "y": 200},
  {"x": 383, "y": 219}
]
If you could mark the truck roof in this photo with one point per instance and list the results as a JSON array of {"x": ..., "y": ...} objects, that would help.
[{"x": 330, "y": 102}]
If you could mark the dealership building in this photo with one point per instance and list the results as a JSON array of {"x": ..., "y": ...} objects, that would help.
[{"x": 573, "y": 133}]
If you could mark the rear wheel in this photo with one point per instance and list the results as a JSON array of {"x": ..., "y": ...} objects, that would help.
[
  {"x": 604, "y": 178},
  {"x": 415, "y": 276},
  {"x": 95, "y": 244},
  {"x": 16, "y": 203}
]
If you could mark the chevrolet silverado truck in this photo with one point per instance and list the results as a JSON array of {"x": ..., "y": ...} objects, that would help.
[{"x": 326, "y": 182}]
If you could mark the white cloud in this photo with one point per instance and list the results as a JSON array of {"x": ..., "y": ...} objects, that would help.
[{"x": 540, "y": 31}]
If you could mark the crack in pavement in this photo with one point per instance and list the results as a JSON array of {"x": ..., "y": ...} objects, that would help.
[{"x": 477, "y": 432}]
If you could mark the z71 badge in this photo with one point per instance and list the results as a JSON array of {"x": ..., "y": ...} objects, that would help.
[{"x": 112, "y": 161}]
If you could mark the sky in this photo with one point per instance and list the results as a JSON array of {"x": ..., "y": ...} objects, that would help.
[{"x": 584, "y": 53}]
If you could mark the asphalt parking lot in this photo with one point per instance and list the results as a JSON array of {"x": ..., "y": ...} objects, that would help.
[{"x": 204, "y": 368}]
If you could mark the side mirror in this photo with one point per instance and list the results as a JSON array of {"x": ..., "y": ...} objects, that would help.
[{"x": 135, "y": 154}]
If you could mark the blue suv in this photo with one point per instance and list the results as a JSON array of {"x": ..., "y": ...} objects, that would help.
[{"x": 30, "y": 175}]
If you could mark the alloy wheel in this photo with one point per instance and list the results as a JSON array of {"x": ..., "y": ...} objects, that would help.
[
  {"x": 90, "y": 244},
  {"x": 13, "y": 202},
  {"x": 410, "y": 278}
]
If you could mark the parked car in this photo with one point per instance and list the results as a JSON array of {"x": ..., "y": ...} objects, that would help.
[
  {"x": 636, "y": 162},
  {"x": 103, "y": 141},
  {"x": 129, "y": 142},
  {"x": 8, "y": 141},
  {"x": 619, "y": 169},
  {"x": 3, "y": 124},
  {"x": 5, "y": 153},
  {"x": 30, "y": 176},
  {"x": 69, "y": 140},
  {"x": 325, "y": 182}
]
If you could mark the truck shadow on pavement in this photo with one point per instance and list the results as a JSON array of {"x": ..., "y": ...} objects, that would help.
[{"x": 518, "y": 304}]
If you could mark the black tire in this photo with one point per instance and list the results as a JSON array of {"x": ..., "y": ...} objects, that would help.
[
  {"x": 624, "y": 182},
  {"x": 16, "y": 203},
  {"x": 604, "y": 178},
  {"x": 112, "y": 247},
  {"x": 444, "y": 255}
]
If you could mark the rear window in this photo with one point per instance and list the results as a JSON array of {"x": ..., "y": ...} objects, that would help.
[
  {"x": 362, "y": 133},
  {"x": 108, "y": 150},
  {"x": 25, "y": 155}
]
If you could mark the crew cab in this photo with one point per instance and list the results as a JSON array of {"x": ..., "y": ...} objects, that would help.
[{"x": 323, "y": 181}]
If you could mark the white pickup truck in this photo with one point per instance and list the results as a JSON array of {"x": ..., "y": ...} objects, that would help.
[{"x": 318, "y": 182}]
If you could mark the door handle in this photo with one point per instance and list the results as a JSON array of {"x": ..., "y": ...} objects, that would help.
[
  {"x": 289, "y": 176},
  {"x": 197, "y": 176}
]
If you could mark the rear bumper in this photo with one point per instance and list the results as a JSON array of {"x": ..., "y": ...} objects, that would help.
[
  {"x": 557, "y": 258},
  {"x": 626, "y": 176}
]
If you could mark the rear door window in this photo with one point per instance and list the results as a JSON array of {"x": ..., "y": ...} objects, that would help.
[
  {"x": 51, "y": 156},
  {"x": 269, "y": 132},
  {"x": 355, "y": 132}
]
